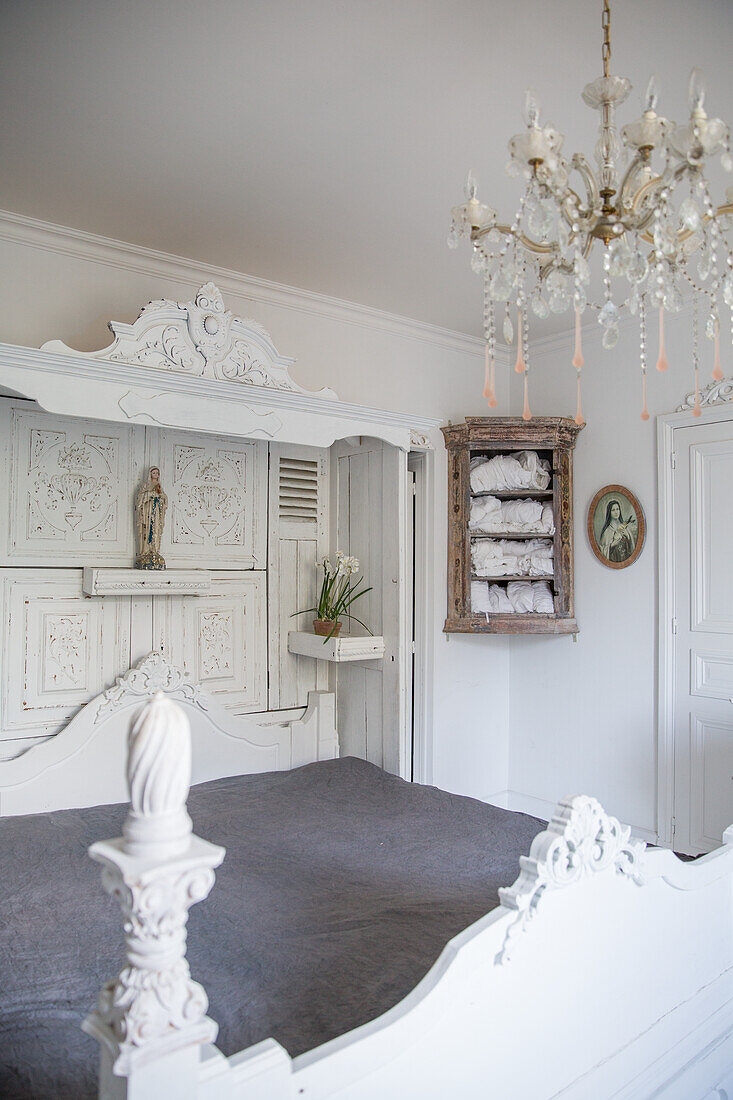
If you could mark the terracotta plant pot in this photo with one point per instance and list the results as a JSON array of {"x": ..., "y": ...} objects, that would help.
[{"x": 325, "y": 626}]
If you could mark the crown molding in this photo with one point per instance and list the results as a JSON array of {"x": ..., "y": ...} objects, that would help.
[{"x": 79, "y": 244}]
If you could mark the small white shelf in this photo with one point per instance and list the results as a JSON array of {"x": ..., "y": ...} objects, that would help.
[
  {"x": 149, "y": 582},
  {"x": 344, "y": 648}
]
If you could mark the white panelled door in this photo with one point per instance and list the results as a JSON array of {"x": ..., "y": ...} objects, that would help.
[{"x": 703, "y": 620}]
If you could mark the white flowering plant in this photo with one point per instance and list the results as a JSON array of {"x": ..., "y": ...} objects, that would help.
[{"x": 339, "y": 590}]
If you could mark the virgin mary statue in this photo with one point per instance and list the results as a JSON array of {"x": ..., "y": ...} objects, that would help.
[{"x": 150, "y": 508}]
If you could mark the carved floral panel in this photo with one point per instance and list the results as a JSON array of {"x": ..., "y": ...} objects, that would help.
[
  {"x": 60, "y": 648},
  {"x": 216, "y": 492},
  {"x": 219, "y": 639},
  {"x": 70, "y": 488}
]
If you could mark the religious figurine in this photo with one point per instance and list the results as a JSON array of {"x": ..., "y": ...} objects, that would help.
[{"x": 150, "y": 509}]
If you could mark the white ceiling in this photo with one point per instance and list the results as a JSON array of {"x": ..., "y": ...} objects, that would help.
[{"x": 318, "y": 143}]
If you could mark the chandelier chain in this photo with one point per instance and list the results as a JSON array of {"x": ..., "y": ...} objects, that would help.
[{"x": 606, "y": 49}]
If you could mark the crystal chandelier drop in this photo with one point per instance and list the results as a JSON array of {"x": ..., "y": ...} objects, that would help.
[{"x": 653, "y": 219}]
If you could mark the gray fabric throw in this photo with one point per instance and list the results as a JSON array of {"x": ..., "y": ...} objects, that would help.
[{"x": 340, "y": 887}]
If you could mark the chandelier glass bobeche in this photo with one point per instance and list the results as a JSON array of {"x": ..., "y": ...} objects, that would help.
[{"x": 662, "y": 239}]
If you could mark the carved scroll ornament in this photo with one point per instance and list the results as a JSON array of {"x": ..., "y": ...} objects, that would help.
[
  {"x": 580, "y": 840},
  {"x": 199, "y": 338}
]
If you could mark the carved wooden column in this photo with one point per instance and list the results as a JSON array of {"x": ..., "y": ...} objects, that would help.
[{"x": 151, "y": 1019}]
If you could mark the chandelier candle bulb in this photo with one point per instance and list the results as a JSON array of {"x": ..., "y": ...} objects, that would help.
[
  {"x": 697, "y": 410},
  {"x": 662, "y": 363},
  {"x": 717, "y": 369}
]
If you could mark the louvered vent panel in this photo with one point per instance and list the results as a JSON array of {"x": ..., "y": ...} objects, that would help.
[{"x": 298, "y": 489}]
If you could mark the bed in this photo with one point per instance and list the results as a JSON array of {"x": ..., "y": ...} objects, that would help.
[{"x": 362, "y": 939}]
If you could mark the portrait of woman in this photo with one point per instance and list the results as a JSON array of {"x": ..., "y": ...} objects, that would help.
[{"x": 616, "y": 526}]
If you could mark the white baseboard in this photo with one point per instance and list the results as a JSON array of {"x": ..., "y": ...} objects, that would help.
[{"x": 540, "y": 807}]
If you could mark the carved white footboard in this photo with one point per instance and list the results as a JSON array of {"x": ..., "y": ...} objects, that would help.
[{"x": 607, "y": 971}]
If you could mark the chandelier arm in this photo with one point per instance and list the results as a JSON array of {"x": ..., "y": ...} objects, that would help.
[
  {"x": 584, "y": 170},
  {"x": 639, "y": 162},
  {"x": 527, "y": 242}
]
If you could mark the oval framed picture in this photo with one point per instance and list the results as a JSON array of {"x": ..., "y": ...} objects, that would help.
[{"x": 616, "y": 526}]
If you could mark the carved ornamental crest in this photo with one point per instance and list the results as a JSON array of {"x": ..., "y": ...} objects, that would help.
[{"x": 199, "y": 338}]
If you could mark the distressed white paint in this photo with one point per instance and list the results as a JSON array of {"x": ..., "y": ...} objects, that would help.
[
  {"x": 299, "y": 518},
  {"x": 84, "y": 765},
  {"x": 345, "y": 647},
  {"x": 66, "y": 492},
  {"x": 142, "y": 582},
  {"x": 371, "y": 481},
  {"x": 56, "y": 282},
  {"x": 220, "y": 639}
]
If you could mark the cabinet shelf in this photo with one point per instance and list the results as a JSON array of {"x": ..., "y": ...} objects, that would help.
[
  {"x": 515, "y": 494},
  {"x": 344, "y": 648},
  {"x": 146, "y": 582},
  {"x": 553, "y": 439},
  {"x": 516, "y": 577},
  {"x": 511, "y": 534}
]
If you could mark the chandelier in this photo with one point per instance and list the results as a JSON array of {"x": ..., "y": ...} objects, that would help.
[{"x": 646, "y": 208}]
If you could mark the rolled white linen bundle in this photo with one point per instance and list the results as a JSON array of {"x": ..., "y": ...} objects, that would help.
[
  {"x": 523, "y": 470},
  {"x": 507, "y": 557},
  {"x": 514, "y": 598},
  {"x": 493, "y": 515}
]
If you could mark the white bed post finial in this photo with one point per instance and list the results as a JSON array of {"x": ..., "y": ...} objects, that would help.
[
  {"x": 159, "y": 777},
  {"x": 151, "y": 1019}
]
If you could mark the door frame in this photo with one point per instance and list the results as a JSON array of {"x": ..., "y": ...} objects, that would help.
[
  {"x": 667, "y": 425},
  {"x": 420, "y": 751}
]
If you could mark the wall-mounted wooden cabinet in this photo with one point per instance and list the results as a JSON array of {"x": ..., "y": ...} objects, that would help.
[{"x": 510, "y": 526}]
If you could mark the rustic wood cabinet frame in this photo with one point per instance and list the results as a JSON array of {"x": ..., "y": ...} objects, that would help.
[{"x": 554, "y": 437}]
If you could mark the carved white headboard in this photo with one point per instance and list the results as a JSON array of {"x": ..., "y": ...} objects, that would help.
[{"x": 84, "y": 765}]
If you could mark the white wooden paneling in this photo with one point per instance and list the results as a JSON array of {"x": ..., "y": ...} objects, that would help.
[
  {"x": 372, "y": 479},
  {"x": 219, "y": 639},
  {"x": 712, "y": 675},
  {"x": 298, "y": 505},
  {"x": 60, "y": 648},
  {"x": 216, "y": 499},
  {"x": 68, "y": 488},
  {"x": 712, "y": 528},
  {"x": 711, "y": 771}
]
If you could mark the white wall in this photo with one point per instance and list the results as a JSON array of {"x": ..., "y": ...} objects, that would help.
[
  {"x": 582, "y": 715},
  {"x": 55, "y": 284}
]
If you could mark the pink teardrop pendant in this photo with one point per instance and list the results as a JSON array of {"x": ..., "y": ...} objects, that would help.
[
  {"x": 578, "y": 360},
  {"x": 579, "y": 418},
  {"x": 645, "y": 410},
  {"x": 520, "y": 364},
  {"x": 697, "y": 410},
  {"x": 662, "y": 363},
  {"x": 717, "y": 369},
  {"x": 526, "y": 414}
]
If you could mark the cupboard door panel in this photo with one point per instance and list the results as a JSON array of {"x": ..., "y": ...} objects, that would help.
[
  {"x": 217, "y": 499},
  {"x": 70, "y": 490},
  {"x": 60, "y": 648},
  {"x": 299, "y": 485},
  {"x": 219, "y": 639}
]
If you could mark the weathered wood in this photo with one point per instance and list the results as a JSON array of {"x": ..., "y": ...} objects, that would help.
[{"x": 556, "y": 436}]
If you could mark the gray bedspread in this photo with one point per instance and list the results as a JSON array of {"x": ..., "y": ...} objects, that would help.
[{"x": 341, "y": 885}]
